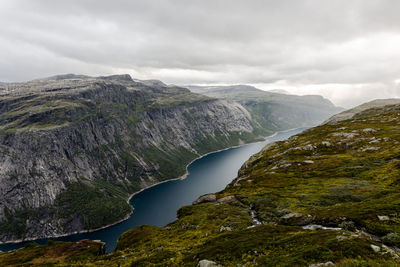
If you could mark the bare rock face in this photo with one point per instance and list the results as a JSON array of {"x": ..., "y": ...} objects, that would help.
[{"x": 71, "y": 145}]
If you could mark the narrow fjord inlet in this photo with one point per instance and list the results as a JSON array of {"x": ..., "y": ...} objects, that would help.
[{"x": 157, "y": 205}]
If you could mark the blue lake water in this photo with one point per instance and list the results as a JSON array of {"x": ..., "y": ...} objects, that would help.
[{"x": 158, "y": 205}]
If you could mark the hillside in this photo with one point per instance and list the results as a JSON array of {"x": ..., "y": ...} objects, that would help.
[
  {"x": 74, "y": 148},
  {"x": 348, "y": 114},
  {"x": 329, "y": 195},
  {"x": 274, "y": 111}
]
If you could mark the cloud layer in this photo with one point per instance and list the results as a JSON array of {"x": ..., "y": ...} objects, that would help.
[{"x": 347, "y": 50}]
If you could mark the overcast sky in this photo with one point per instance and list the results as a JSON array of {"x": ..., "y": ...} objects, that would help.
[{"x": 346, "y": 50}]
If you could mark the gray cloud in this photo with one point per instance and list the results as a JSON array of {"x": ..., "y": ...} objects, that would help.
[{"x": 310, "y": 46}]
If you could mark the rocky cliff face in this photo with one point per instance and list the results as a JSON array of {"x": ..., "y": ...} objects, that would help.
[{"x": 73, "y": 148}]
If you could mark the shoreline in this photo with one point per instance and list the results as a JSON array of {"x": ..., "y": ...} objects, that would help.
[{"x": 182, "y": 177}]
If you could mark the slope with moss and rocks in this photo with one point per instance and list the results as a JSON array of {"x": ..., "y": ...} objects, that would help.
[{"x": 328, "y": 196}]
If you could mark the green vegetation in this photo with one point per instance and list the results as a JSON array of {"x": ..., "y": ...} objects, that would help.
[
  {"x": 53, "y": 254},
  {"x": 97, "y": 204}
]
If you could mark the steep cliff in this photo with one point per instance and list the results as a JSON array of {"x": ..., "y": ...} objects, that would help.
[{"x": 73, "y": 148}]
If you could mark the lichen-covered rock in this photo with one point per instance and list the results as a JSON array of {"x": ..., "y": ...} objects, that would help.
[
  {"x": 296, "y": 218},
  {"x": 227, "y": 199},
  {"x": 207, "y": 263},
  {"x": 324, "y": 264},
  {"x": 376, "y": 249}
]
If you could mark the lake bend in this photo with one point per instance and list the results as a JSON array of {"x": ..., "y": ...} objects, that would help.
[{"x": 157, "y": 205}]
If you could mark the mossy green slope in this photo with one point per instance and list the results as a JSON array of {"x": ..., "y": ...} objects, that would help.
[{"x": 330, "y": 194}]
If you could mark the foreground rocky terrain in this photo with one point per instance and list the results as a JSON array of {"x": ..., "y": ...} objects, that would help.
[
  {"x": 74, "y": 148},
  {"x": 328, "y": 196}
]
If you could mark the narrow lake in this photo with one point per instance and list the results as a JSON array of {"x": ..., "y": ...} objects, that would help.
[{"x": 158, "y": 205}]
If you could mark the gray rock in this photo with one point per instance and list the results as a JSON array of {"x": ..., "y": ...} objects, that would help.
[
  {"x": 345, "y": 135},
  {"x": 225, "y": 228},
  {"x": 207, "y": 263},
  {"x": 370, "y": 149},
  {"x": 326, "y": 143},
  {"x": 205, "y": 198},
  {"x": 326, "y": 264},
  {"x": 383, "y": 218},
  {"x": 369, "y": 130},
  {"x": 227, "y": 199},
  {"x": 295, "y": 218},
  {"x": 375, "y": 248},
  {"x": 292, "y": 215},
  {"x": 308, "y": 147}
]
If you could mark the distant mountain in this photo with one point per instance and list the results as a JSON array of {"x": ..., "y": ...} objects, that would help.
[
  {"x": 279, "y": 91},
  {"x": 271, "y": 110}
]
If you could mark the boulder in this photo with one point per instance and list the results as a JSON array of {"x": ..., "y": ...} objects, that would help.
[
  {"x": 205, "y": 198},
  {"x": 369, "y": 130},
  {"x": 383, "y": 218},
  {"x": 227, "y": 199},
  {"x": 326, "y": 143},
  {"x": 346, "y": 135},
  {"x": 225, "y": 228},
  {"x": 326, "y": 264},
  {"x": 375, "y": 248},
  {"x": 295, "y": 218},
  {"x": 207, "y": 263},
  {"x": 370, "y": 149}
]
